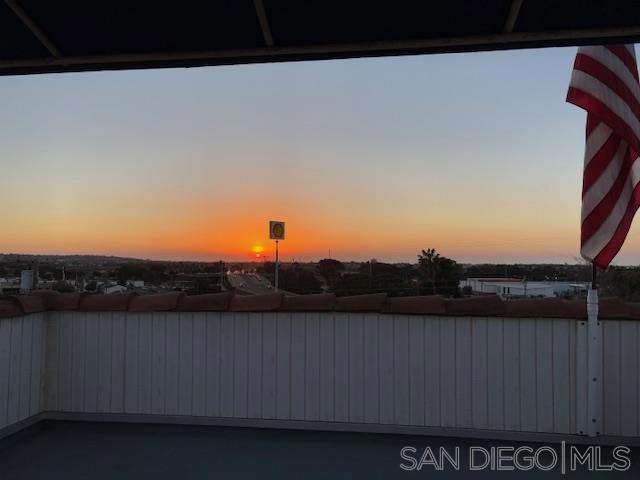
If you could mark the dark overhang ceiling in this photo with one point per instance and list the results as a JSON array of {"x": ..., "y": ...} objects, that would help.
[{"x": 39, "y": 36}]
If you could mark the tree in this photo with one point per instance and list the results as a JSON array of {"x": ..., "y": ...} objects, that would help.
[
  {"x": 202, "y": 285},
  {"x": 379, "y": 277},
  {"x": 623, "y": 282},
  {"x": 428, "y": 261},
  {"x": 47, "y": 276},
  {"x": 330, "y": 270},
  {"x": 442, "y": 273},
  {"x": 298, "y": 280},
  {"x": 149, "y": 272},
  {"x": 62, "y": 287}
]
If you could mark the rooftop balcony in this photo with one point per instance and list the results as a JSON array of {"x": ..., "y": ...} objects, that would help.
[{"x": 476, "y": 368}]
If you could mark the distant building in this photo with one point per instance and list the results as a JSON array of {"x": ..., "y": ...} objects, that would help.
[
  {"x": 115, "y": 289},
  {"x": 9, "y": 286},
  {"x": 517, "y": 287},
  {"x": 351, "y": 268},
  {"x": 27, "y": 281}
]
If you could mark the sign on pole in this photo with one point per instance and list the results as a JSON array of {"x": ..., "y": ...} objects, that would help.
[{"x": 276, "y": 232}]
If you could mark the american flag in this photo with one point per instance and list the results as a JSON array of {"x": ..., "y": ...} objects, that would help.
[{"x": 605, "y": 83}]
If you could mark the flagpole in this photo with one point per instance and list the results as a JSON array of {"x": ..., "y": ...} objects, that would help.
[{"x": 594, "y": 352}]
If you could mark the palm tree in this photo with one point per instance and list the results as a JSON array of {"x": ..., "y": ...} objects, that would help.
[{"x": 429, "y": 260}]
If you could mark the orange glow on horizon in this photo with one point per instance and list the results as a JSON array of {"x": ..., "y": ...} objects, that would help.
[
  {"x": 198, "y": 227},
  {"x": 238, "y": 234}
]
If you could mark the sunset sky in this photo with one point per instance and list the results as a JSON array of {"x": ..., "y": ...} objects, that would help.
[{"x": 476, "y": 155}]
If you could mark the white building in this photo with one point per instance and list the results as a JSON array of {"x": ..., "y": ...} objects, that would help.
[
  {"x": 115, "y": 289},
  {"x": 9, "y": 286},
  {"x": 516, "y": 287},
  {"x": 27, "y": 281}
]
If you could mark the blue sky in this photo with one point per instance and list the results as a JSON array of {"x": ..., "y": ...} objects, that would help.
[{"x": 475, "y": 154}]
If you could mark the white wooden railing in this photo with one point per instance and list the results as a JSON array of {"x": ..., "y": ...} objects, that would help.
[
  {"x": 22, "y": 350},
  {"x": 358, "y": 371}
]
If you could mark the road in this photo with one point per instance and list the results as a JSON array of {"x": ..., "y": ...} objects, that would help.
[{"x": 250, "y": 283}]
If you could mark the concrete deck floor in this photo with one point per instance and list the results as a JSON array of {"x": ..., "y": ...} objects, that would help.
[{"x": 77, "y": 450}]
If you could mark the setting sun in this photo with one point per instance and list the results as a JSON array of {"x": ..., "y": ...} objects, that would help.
[{"x": 257, "y": 249}]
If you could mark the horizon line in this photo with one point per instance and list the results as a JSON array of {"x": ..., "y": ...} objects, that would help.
[{"x": 265, "y": 260}]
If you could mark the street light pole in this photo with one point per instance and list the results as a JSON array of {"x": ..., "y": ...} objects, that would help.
[
  {"x": 276, "y": 232},
  {"x": 277, "y": 265}
]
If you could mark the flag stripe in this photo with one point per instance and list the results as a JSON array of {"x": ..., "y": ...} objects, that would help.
[
  {"x": 593, "y": 123},
  {"x": 600, "y": 162},
  {"x": 612, "y": 62},
  {"x": 609, "y": 202},
  {"x": 626, "y": 57},
  {"x": 593, "y": 104},
  {"x": 605, "y": 181},
  {"x": 610, "y": 99},
  {"x": 598, "y": 239},
  {"x": 600, "y": 72},
  {"x": 607, "y": 254},
  {"x": 596, "y": 138}
]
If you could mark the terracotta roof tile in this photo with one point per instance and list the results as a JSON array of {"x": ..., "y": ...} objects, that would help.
[
  {"x": 31, "y": 303},
  {"x": 321, "y": 302},
  {"x": 60, "y": 301},
  {"x": 485, "y": 306},
  {"x": 113, "y": 302},
  {"x": 535, "y": 307},
  {"x": 208, "y": 302},
  {"x": 159, "y": 302},
  {"x": 611, "y": 307},
  {"x": 634, "y": 311},
  {"x": 373, "y": 302},
  {"x": 256, "y": 303},
  {"x": 423, "y": 305},
  {"x": 10, "y": 307},
  {"x": 576, "y": 309}
]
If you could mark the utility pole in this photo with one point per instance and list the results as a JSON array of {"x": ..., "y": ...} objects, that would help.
[
  {"x": 276, "y": 232},
  {"x": 277, "y": 265}
]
